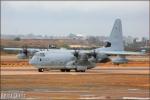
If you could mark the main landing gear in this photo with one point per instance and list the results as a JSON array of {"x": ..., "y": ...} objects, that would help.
[
  {"x": 41, "y": 69},
  {"x": 62, "y": 70},
  {"x": 79, "y": 70},
  {"x": 68, "y": 70},
  {"x": 65, "y": 70}
]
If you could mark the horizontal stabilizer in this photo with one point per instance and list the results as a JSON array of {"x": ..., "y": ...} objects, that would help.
[{"x": 122, "y": 53}]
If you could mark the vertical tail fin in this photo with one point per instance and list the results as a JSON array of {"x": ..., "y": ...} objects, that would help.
[{"x": 116, "y": 37}]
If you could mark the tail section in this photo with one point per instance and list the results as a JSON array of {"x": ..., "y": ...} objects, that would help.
[
  {"x": 115, "y": 41},
  {"x": 116, "y": 37}
]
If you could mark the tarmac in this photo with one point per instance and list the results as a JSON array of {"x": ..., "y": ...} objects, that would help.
[
  {"x": 108, "y": 83},
  {"x": 97, "y": 70},
  {"x": 19, "y": 80}
]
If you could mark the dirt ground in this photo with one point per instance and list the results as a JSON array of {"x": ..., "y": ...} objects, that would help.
[
  {"x": 61, "y": 86},
  {"x": 92, "y": 85}
]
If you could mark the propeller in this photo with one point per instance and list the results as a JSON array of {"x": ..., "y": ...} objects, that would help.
[
  {"x": 84, "y": 60},
  {"x": 23, "y": 53},
  {"x": 25, "y": 50},
  {"x": 94, "y": 54},
  {"x": 81, "y": 58},
  {"x": 85, "y": 56},
  {"x": 76, "y": 54}
]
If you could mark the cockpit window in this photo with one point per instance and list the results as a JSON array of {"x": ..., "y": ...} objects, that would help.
[{"x": 42, "y": 54}]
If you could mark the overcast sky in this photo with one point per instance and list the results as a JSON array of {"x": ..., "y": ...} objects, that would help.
[{"x": 79, "y": 17}]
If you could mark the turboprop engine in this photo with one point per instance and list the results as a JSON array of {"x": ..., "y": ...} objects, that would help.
[
  {"x": 100, "y": 58},
  {"x": 83, "y": 61},
  {"x": 119, "y": 60},
  {"x": 23, "y": 54}
]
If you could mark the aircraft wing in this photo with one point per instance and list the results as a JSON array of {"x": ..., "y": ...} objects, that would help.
[
  {"x": 19, "y": 49},
  {"x": 13, "y": 49},
  {"x": 121, "y": 52},
  {"x": 34, "y": 49}
]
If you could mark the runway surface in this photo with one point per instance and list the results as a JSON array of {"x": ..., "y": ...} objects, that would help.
[
  {"x": 94, "y": 84},
  {"x": 97, "y": 70}
]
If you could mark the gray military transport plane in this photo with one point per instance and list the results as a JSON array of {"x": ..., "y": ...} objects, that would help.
[{"x": 81, "y": 60}]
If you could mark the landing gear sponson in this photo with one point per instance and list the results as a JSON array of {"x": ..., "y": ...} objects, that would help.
[{"x": 62, "y": 70}]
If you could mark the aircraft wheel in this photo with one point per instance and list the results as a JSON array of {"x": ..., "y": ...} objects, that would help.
[
  {"x": 82, "y": 70},
  {"x": 41, "y": 69},
  {"x": 62, "y": 70},
  {"x": 67, "y": 70},
  {"x": 77, "y": 70}
]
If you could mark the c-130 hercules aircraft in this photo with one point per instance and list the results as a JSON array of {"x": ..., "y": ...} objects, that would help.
[{"x": 81, "y": 60}]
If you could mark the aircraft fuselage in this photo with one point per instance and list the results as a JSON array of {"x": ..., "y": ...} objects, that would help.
[{"x": 58, "y": 60}]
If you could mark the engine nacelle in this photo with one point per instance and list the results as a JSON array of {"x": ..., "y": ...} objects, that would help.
[
  {"x": 21, "y": 56},
  {"x": 119, "y": 60},
  {"x": 102, "y": 58}
]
